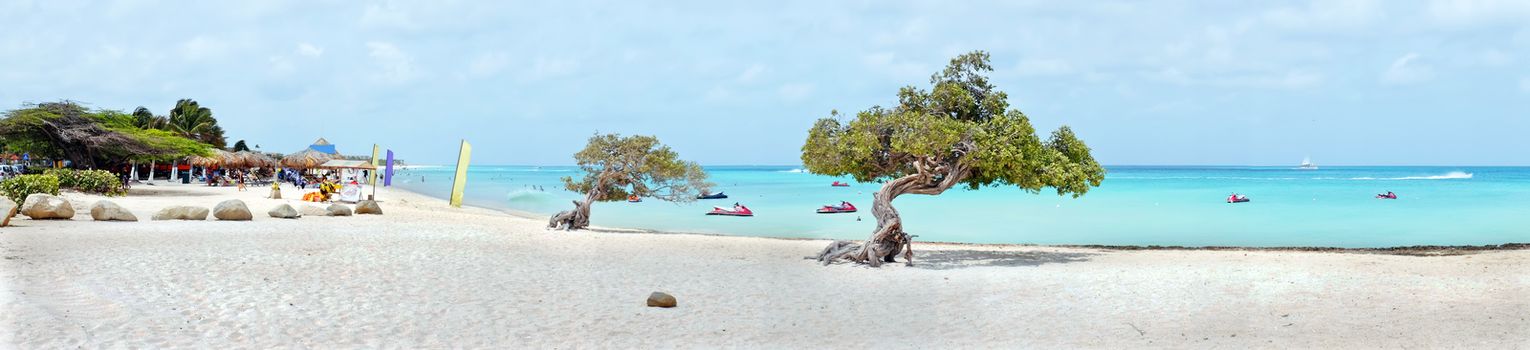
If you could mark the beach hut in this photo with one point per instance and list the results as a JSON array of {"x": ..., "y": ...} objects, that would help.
[
  {"x": 247, "y": 159},
  {"x": 323, "y": 146},
  {"x": 307, "y": 159},
  {"x": 216, "y": 159}
]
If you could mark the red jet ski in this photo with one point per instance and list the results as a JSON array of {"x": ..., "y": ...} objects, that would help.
[
  {"x": 1388, "y": 195},
  {"x": 737, "y": 210},
  {"x": 839, "y": 184},
  {"x": 843, "y": 207},
  {"x": 1237, "y": 198}
]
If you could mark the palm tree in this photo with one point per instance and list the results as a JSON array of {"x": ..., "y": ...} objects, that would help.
[
  {"x": 195, "y": 122},
  {"x": 144, "y": 119}
]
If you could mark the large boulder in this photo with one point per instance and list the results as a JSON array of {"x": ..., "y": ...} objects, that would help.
[
  {"x": 232, "y": 210},
  {"x": 105, "y": 210},
  {"x": 368, "y": 207},
  {"x": 338, "y": 209},
  {"x": 40, "y": 206},
  {"x": 9, "y": 207},
  {"x": 284, "y": 211},
  {"x": 181, "y": 212},
  {"x": 661, "y": 299},
  {"x": 313, "y": 210}
]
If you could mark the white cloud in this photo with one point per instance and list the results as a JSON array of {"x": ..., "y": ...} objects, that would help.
[
  {"x": 1478, "y": 11},
  {"x": 1524, "y": 85},
  {"x": 488, "y": 64},
  {"x": 281, "y": 65},
  {"x": 1405, "y": 70},
  {"x": 396, "y": 65},
  {"x": 888, "y": 62},
  {"x": 1292, "y": 79},
  {"x": 1494, "y": 58},
  {"x": 387, "y": 14},
  {"x": 550, "y": 67},
  {"x": 751, "y": 73},
  {"x": 794, "y": 92},
  {"x": 201, "y": 47},
  {"x": 309, "y": 50},
  {"x": 1320, "y": 14},
  {"x": 1043, "y": 67}
]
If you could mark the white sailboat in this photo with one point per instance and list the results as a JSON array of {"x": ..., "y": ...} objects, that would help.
[{"x": 1307, "y": 164}]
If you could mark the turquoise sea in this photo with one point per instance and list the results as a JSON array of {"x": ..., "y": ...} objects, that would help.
[{"x": 1136, "y": 205}]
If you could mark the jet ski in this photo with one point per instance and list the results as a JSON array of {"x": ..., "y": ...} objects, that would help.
[
  {"x": 1237, "y": 198},
  {"x": 718, "y": 195},
  {"x": 843, "y": 207},
  {"x": 737, "y": 210},
  {"x": 633, "y": 199},
  {"x": 839, "y": 184},
  {"x": 1388, "y": 195}
]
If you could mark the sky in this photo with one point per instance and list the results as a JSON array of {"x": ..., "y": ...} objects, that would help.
[{"x": 725, "y": 82}]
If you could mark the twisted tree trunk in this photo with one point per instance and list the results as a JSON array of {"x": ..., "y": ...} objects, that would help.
[
  {"x": 576, "y": 219},
  {"x": 889, "y": 239}
]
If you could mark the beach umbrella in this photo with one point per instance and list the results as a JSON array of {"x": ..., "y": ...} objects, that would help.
[
  {"x": 247, "y": 159},
  {"x": 307, "y": 158},
  {"x": 217, "y": 158}
]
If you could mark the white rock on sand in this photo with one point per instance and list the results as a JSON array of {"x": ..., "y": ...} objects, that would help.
[
  {"x": 41, "y": 206},
  {"x": 426, "y": 276},
  {"x": 181, "y": 212},
  {"x": 283, "y": 211},
  {"x": 105, "y": 210},
  {"x": 232, "y": 210}
]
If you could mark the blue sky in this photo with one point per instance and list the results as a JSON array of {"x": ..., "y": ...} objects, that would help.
[{"x": 1143, "y": 82}]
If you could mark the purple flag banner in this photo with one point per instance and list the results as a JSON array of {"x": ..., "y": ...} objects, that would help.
[{"x": 388, "y": 170}]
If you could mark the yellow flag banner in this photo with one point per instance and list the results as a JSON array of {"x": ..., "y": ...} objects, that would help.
[
  {"x": 459, "y": 183},
  {"x": 372, "y": 175}
]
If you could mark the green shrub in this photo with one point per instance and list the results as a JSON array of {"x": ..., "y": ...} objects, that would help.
[
  {"x": 92, "y": 181},
  {"x": 19, "y": 187}
]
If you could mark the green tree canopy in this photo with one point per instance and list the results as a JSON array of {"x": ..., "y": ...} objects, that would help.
[
  {"x": 192, "y": 121},
  {"x": 616, "y": 167},
  {"x": 89, "y": 139},
  {"x": 240, "y": 146},
  {"x": 960, "y": 132}
]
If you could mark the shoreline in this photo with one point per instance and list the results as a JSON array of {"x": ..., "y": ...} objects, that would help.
[
  {"x": 425, "y": 275},
  {"x": 1415, "y": 250}
]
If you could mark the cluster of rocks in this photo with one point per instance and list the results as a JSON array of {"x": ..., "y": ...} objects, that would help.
[{"x": 49, "y": 207}]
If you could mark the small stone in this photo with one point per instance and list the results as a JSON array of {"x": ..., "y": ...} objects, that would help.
[
  {"x": 40, "y": 206},
  {"x": 284, "y": 211},
  {"x": 660, "y": 299},
  {"x": 338, "y": 210},
  {"x": 368, "y": 207},
  {"x": 232, "y": 210},
  {"x": 181, "y": 212},
  {"x": 105, "y": 210},
  {"x": 9, "y": 207}
]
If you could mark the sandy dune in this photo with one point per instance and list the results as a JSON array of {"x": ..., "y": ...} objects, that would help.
[{"x": 426, "y": 276}]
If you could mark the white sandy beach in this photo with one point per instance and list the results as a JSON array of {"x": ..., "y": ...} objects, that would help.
[{"x": 427, "y": 276}]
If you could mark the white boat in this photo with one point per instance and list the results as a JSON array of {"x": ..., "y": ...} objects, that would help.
[{"x": 1307, "y": 164}]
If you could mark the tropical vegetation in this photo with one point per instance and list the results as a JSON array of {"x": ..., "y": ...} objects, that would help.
[
  {"x": 617, "y": 167},
  {"x": 960, "y": 132},
  {"x": 92, "y": 139},
  {"x": 17, "y": 188}
]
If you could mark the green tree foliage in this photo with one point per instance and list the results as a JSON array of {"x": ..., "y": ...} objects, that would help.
[
  {"x": 190, "y": 120},
  {"x": 616, "y": 167},
  {"x": 17, "y": 188},
  {"x": 144, "y": 119},
  {"x": 240, "y": 146},
  {"x": 960, "y": 132},
  {"x": 89, "y": 139}
]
